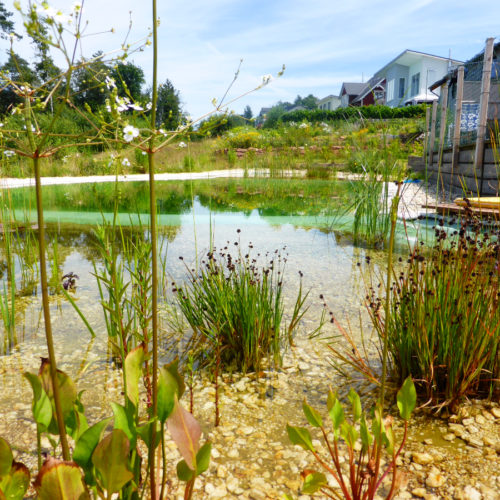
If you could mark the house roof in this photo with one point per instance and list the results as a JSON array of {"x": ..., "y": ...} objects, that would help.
[
  {"x": 352, "y": 88},
  {"x": 408, "y": 57},
  {"x": 328, "y": 97},
  {"x": 370, "y": 86}
]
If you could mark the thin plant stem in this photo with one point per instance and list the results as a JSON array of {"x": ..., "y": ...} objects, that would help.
[
  {"x": 154, "y": 256},
  {"x": 46, "y": 307}
]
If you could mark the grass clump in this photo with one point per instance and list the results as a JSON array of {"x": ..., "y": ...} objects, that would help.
[
  {"x": 236, "y": 308},
  {"x": 443, "y": 327}
]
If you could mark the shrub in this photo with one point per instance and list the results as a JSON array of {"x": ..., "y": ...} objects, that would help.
[
  {"x": 373, "y": 112},
  {"x": 236, "y": 308}
]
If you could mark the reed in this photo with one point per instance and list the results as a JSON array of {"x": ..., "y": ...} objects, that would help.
[
  {"x": 236, "y": 307},
  {"x": 443, "y": 323}
]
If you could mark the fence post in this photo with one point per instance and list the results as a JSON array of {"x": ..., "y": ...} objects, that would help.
[
  {"x": 432, "y": 137},
  {"x": 458, "y": 117},
  {"x": 442, "y": 125},
  {"x": 483, "y": 109}
]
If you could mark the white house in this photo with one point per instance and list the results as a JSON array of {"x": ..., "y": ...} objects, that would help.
[
  {"x": 329, "y": 103},
  {"x": 409, "y": 75}
]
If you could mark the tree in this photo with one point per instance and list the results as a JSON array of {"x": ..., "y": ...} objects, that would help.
[
  {"x": 89, "y": 82},
  {"x": 309, "y": 102},
  {"x": 128, "y": 77},
  {"x": 16, "y": 70},
  {"x": 168, "y": 109},
  {"x": 44, "y": 65},
  {"x": 247, "y": 113},
  {"x": 6, "y": 25}
]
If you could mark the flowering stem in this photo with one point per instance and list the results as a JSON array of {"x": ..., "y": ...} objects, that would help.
[{"x": 154, "y": 257}]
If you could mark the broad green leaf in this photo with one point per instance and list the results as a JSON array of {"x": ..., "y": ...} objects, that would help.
[
  {"x": 313, "y": 417},
  {"x": 67, "y": 389},
  {"x": 167, "y": 388},
  {"x": 6, "y": 458},
  {"x": 336, "y": 413},
  {"x": 356, "y": 404},
  {"x": 349, "y": 434},
  {"x": 407, "y": 399},
  {"x": 300, "y": 436},
  {"x": 184, "y": 473},
  {"x": 87, "y": 442},
  {"x": 133, "y": 373},
  {"x": 110, "y": 458},
  {"x": 41, "y": 407},
  {"x": 185, "y": 431},
  {"x": 366, "y": 437},
  {"x": 203, "y": 458},
  {"x": 330, "y": 400},
  {"x": 58, "y": 480},
  {"x": 378, "y": 428},
  {"x": 144, "y": 431},
  {"x": 173, "y": 369},
  {"x": 389, "y": 434},
  {"x": 313, "y": 482},
  {"x": 124, "y": 420},
  {"x": 15, "y": 485}
]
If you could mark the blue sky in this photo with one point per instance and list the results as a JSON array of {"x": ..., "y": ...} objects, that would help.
[{"x": 321, "y": 42}]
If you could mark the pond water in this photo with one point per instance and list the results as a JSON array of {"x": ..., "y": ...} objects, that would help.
[{"x": 302, "y": 216}]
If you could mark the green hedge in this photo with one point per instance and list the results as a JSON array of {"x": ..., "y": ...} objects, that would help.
[{"x": 375, "y": 112}]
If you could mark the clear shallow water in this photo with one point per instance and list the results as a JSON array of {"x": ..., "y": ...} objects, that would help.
[{"x": 270, "y": 215}]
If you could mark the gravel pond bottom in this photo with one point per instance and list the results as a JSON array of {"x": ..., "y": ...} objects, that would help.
[{"x": 453, "y": 458}]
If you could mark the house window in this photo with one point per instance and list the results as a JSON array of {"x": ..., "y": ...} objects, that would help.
[
  {"x": 415, "y": 84},
  {"x": 401, "y": 89},
  {"x": 329, "y": 106},
  {"x": 390, "y": 90}
]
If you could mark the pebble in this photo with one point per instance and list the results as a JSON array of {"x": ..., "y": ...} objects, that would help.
[
  {"x": 435, "y": 478},
  {"x": 471, "y": 493},
  {"x": 422, "y": 458}
]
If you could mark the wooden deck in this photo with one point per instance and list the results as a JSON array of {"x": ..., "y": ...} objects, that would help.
[{"x": 452, "y": 208}]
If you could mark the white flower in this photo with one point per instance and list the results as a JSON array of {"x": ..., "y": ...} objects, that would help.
[
  {"x": 122, "y": 104},
  {"x": 182, "y": 144},
  {"x": 110, "y": 83},
  {"x": 8, "y": 153},
  {"x": 125, "y": 162},
  {"x": 266, "y": 79},
  {"x": 1, "y": 125},
  {"x": 77, "y": 6},
  {"x": 143, "y": 153},
  {"x": 303, "y": 125},
  {"x": 130, "y": 133},
  {"x": 136, "y": 107},
  {"x": 149, "y": 105},
  {"x": 33, "y": 129},
  {"x": 108, "y": 108},
  {"x": 163, "y": 132}
]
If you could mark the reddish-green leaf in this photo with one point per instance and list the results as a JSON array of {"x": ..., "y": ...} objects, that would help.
[
  {"x": 15, "y": 485},
  {"x": 58, "y": 480},
  {"x": 110, "y": 458},
  {"x": 185, "y": 431}
]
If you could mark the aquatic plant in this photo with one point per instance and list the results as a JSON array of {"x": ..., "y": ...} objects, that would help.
[
  {"x": 443, "y": 324},
  {"x": 364, "y": 474},
  {"x": 236, "y": 307},
  {"x": 101, "y": 467}
]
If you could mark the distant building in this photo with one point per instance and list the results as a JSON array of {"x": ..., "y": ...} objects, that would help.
[
  {"x": 373, "y": 93},
  {"x": 349, "y": 92},
  {"x": 329, "y": 103},
  {"x": 409, "y": 75}
]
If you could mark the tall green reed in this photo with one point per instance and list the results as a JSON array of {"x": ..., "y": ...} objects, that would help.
[{"x": 443, "y": 323}]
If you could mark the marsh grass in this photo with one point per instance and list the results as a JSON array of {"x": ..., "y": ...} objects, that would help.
[
  {"x": 236, "y": 307},
  {"x": 443, "y": 326}
]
